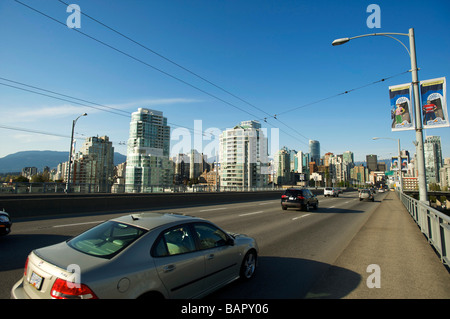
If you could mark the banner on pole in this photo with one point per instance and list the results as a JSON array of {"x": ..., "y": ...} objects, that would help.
[
  {"x": 434, "y": 103},
  {"x": 401, "y": 114},
  {"x": 404, "y": 163}
]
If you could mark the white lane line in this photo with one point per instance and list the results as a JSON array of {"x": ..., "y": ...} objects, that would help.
[
  {"x": 254, "y": 213},
  {"x": 331, "y": 207},
  {"x": 300, "y": 216},
  {"x": 211, "y": 209},
  {"x": 78, "y": 224}
]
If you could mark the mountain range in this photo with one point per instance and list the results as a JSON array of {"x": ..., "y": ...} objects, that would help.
[{"x": 13, "y": 163}]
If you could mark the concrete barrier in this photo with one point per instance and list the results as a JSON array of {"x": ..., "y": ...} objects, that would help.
[
  {"x": 25, "y": 206},
  {"x": 40, "y": 205}
]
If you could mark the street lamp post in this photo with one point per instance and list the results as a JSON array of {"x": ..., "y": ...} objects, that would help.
[
  {"x": 70, "y": 153},
  {"x": 399, "y": 159},
  {"x": 423, "y": 195}
]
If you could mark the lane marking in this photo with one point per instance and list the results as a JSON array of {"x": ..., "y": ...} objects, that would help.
[
  {"x": 331, "y": 207},
  {"x": 254, "y": 213},
  {"x": 211, "y": 209},
  {"x": 300, "y": 216}
]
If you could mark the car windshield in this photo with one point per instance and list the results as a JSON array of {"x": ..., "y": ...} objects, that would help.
[{"x": 107, "y": 239}]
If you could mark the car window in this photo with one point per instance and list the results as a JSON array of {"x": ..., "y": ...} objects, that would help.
[
  {"x": 292, "y": 192},
  {"x": 174, "y": 241},
  {"x": 210, "y": 236},
  {"x": 107, "y": 239}
]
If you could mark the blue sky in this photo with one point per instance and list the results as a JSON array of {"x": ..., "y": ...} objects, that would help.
[{"x": 275, "y": 55}]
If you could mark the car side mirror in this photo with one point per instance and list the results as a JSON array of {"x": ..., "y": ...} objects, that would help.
[{"x": 230, "y": 241}]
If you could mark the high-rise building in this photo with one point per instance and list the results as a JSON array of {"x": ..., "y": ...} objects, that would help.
[
  {"x": 444, "y": 174},
  {"x": 314, "y": 151},
  {"x": 243, "y": 155},
  {"x": 348, "y": 157},
  {"x": 283, "y": 169},
  {"x": 93, "y": 166},
  {"x": 372, "y": 162},
  {"x": 148, "y": 164},
  {"x": 197, "y": 164},
  {"x": 433, "y": 158}
]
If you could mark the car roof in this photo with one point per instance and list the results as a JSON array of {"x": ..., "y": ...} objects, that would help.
[{"x": 155, "y": 219}]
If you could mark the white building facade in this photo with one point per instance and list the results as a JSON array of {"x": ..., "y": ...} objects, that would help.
[{"x": 243, "y": 156}]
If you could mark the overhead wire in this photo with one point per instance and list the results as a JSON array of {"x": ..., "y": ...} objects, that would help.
[
  {"x": 187, "y": 70},
  {"x": 82, "y": 104},
  {"x": 137, "y": 59},
  {"x": 274, "y": 116}
]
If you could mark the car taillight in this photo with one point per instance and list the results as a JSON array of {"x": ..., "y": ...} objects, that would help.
[
  {"x": 62, "y": 289},
  {"x": 283, "y": 196},
  {"x": 300, "y": 197},
  {"x": 26, "y": 267}
]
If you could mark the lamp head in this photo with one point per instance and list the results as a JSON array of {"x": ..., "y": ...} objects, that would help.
[{"x": 340, "y": 41}]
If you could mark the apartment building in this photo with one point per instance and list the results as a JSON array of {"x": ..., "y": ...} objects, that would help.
[
  {"x": 148, "y": 165},
  {"x": 243, "y": 154}
]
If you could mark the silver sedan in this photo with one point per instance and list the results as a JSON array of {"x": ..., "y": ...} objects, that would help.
[{"x": 148, "y": 255}]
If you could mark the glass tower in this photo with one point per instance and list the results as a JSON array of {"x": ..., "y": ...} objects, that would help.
[
  {"x": 314, "y": 151},
  {"x": 148, "y": 165}
]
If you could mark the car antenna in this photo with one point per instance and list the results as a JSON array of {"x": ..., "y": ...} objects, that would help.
[{"x": 134, "y": 217}]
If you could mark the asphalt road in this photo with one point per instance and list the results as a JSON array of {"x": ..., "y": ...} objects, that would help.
[{"x": 296, "y": 247}]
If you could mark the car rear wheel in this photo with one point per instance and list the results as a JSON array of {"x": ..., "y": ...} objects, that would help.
[{"x": 248, "y": 266}]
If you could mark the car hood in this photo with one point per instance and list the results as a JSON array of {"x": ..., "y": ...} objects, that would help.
[{"x": 62, "y": 255}]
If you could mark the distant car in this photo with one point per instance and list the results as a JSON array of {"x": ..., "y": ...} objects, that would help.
[
  {"x": 366, "y": 194},
  {"x": 148, "y": 255},
  {"x": 301, "y": 198},
  {"x": 5, "y": 223},
  {"x": 330, "y": 191},
  {"x": 381, "y": 190}
]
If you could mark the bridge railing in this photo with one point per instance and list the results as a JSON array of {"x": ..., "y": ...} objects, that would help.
[{"x": 433, "y": 224}]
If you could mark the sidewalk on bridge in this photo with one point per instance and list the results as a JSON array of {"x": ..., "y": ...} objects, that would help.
[{"x": 408, "y": 266}]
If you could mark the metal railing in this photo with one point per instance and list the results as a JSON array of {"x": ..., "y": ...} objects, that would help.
[{"x": 433, "y": 224}]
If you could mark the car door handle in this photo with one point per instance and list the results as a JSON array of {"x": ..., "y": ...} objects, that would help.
[
  {"x": 169, "y": 268},
  {"x": 210, "y": 256}
]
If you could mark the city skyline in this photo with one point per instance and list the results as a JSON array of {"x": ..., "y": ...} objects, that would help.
[{"x": 278, "y": 58}]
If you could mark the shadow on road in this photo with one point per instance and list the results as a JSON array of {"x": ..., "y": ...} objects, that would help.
[
  {"x": 15, "y": 248},
  {"x": 291, "y": 278}
]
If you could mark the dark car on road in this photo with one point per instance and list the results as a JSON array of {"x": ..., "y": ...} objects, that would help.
[
  {"x": 299, "y": 198},
  {"x": 5, "y": 223}
]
